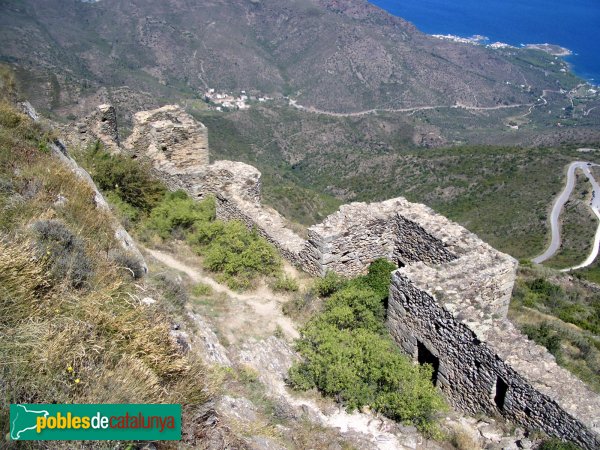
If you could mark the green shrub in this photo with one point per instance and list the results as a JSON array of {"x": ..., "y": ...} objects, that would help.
[
  {"x": 127, "y": 213},
  {"x": 545, "y": 336},
  {"x": 201, "y": 290},
  {"x": 557, "y": 444},
  {"x": 348, "y": 354},
  {"x": 378, "y": 277},
  {"x": 355, "y": 307},
  {"x": 177, "y": 211},
  {"x": 329, "y": 284},
  {"x": 545, "y": 289},
  {"x": 9, "y": 117},
  {"x": 284, "y": 283},
  {"x": 65, "y": 252},
  {"x": 237, "y": 254},
  {"x": 128, "y": 178}
]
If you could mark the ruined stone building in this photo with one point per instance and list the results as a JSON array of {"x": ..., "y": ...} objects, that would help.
[{"x": 448, "y": 299}]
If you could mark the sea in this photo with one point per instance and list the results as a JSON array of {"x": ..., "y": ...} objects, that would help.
[{"x": 572, "y": 24}]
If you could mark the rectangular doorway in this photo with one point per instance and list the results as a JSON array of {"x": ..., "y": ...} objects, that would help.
[{"x": 424, "y": 356}]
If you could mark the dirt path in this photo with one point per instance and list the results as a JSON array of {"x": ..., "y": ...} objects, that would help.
[{"x": 262, "y": 307}]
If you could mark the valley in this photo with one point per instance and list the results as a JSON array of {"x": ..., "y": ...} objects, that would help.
[{"x": 307, "y": 222}]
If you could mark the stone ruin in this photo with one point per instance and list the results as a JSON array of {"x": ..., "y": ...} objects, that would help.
[
  {"x": 100, "y": 125},
  {"x": 448, "y": 299}
]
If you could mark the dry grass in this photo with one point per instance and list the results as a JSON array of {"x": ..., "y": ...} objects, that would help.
[
  {"x": 91, "y": 344},
  {"x": 100, "y": 346},
  {"x": 463, "y": 440}
]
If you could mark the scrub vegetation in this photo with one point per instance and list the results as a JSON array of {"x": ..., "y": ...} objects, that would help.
[
  {"x": 72, "y": 329},
  {"x": 348, "y": 354}
]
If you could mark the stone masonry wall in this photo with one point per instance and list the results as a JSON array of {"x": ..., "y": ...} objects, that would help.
[
  {"x": 359, "y": 233},
  {"x": 545, "y": 397},
  {"x": 174, "y": 141},
  {"x": 414, "y": 244}
]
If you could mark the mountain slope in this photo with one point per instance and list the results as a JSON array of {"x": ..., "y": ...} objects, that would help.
[{"x": 329, "y": 54}]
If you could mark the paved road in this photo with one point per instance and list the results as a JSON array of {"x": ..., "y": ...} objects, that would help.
[
  {"x": 310, "y": 109},
  {"x": 557, "y": 209}
]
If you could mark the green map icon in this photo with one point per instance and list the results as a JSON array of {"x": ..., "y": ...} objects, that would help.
[{"x": 23, "y": 420}]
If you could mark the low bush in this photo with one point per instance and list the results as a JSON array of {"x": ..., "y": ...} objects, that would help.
[
  {"x": 348, "y": 354},
  {"x": 235, "y": 253},
  {"x": 568, "y": 305},
  {"x": 129, "y": 263},
  {"x": 544, "y": 336},
  {"x": 329, "y": 284},
  {"x": 178, "y": 212},
  {"x": 557, "y": 444},
  {"x": 127, "y": 214},
  {"x": 65, "y": 252},
  {"x": 129, "y": 179},
  {"x": 201, "y": 289},
  {"x": 238, "y": 256},
  {"x": 284, "y": 283}
]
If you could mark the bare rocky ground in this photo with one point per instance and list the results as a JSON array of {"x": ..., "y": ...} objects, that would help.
[{"x": 249, "y": 339}]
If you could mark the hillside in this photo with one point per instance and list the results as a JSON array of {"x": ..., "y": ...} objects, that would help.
[
  {"x": 335, "y": 56},
  {"x": 185, "y": 331}
]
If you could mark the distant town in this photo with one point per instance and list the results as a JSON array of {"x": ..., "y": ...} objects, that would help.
[{"x": 223, "y": 101}]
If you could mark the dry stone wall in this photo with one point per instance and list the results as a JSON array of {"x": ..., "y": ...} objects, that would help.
[
  {"x": 176, "y": 143},
  {"x": 448, "y": 301},
  {"x": 476, "y": 372},
  {"x": 359, "y": 233}
]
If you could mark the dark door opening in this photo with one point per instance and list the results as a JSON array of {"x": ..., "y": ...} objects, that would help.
[
  {"x": 501, "y": 391},
  {"x": 424, "y": 356}
]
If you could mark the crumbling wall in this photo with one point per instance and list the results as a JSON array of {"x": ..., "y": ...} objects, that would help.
[
  {"x": 347, "y": 241},
  {"x": 414, "y": 244},
  {"x": 525, "y": 385},
  {"x": 173, "y": 140},
  {"x": 100, "y": 125},
  {"x": 103, "y": 123},
  {"x": 448, "y": 302}
]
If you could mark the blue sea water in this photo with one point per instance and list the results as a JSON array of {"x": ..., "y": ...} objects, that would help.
[{"x": 574, "y": 24}]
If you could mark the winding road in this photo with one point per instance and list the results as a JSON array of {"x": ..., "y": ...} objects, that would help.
[
  {"x": 557, "y": 209},
  {"x": 310, "y": 109}
]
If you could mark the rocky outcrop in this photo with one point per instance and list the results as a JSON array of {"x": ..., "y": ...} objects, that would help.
[
  {"x": 121, "y": 235},
  {"x": 59, "y": 150}
]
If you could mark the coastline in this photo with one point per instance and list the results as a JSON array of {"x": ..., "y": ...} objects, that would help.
[
  {"x": 429, "y": 21},
  {"x": 478, "y": 39},
  {"x": 551, "y": 49}
]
